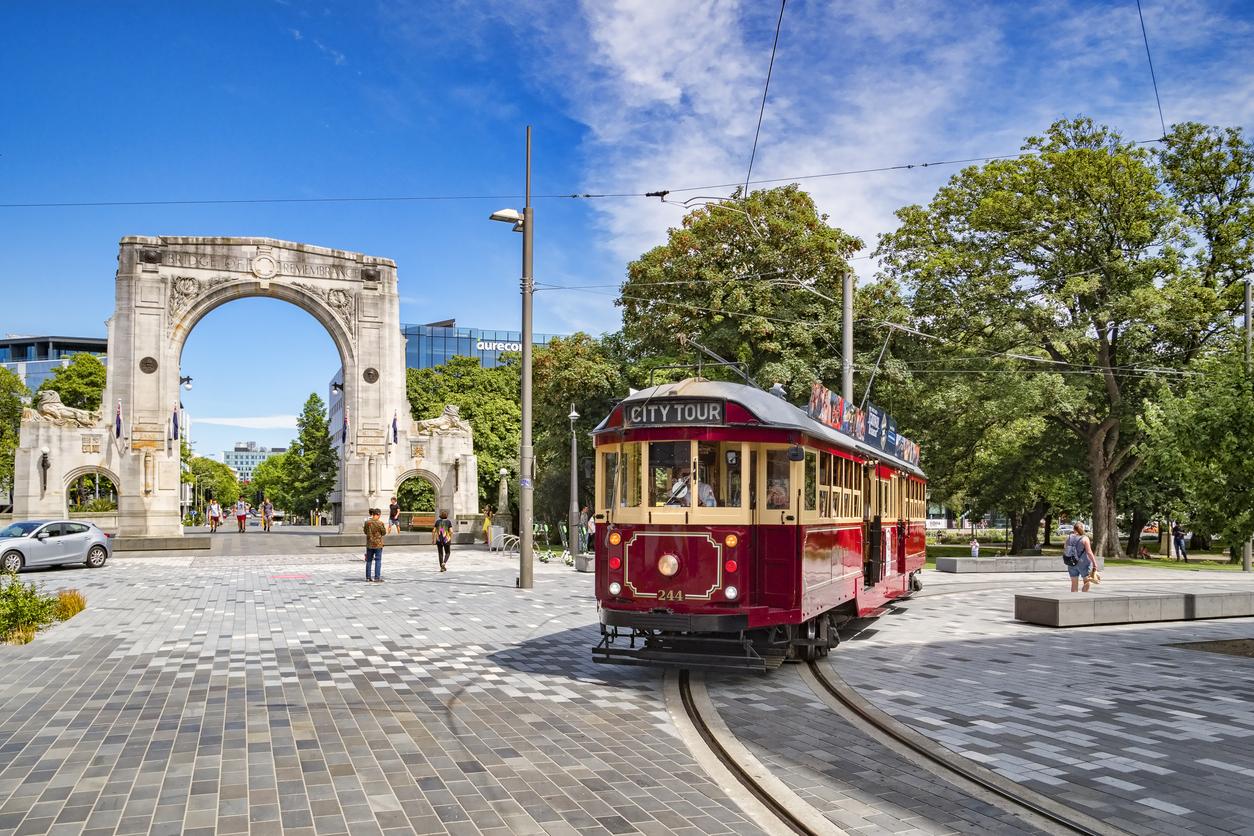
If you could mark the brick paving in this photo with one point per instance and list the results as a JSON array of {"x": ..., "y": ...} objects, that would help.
[
  {"x": 225, "y": 694},
  {"x": 1113, "y": 720}
]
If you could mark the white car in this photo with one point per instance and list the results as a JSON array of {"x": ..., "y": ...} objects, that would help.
[{"x": 29, "y": 543}]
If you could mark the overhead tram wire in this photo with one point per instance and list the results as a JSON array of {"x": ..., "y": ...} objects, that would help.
[
  {"x": 1153, "y": 78},
  {"x": 765, "y": 89},
  {"x": 64, "y": 204}
]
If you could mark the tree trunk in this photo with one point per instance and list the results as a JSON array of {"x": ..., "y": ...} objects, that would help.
[
  {"x": 1049, "y": 529},
  {"x": 1139, "y": 519},
  {"x": 1025, "y": 527},
  {"x": 1105, "y": 533}
]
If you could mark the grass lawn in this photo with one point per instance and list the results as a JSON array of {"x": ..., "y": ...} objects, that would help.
[
  {"x": 934, "y": 551},
  {"x": 1194, "y": 563}
]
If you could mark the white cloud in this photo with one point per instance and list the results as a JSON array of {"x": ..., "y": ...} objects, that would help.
[{"x": 257, "y": 422}]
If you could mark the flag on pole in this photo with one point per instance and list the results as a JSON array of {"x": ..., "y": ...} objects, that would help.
[
  {"x": 344, "y": 429},
  {"x": 176, "y": 422},
  {"x": 117, "y": 422},
  {"x": 394, "y": 428}
]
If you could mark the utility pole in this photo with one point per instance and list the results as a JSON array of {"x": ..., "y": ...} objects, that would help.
[
  {"x": 846, "y": 338},
  {"x": 526, "y": 457},
  {"x": 1247, "y": 554}
]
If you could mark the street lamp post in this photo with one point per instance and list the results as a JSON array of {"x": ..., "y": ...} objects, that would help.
[
  {"x": 573, "y": 519},
  {"x": 524, "y": 223}
]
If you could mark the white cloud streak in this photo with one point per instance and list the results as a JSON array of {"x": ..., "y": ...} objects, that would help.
[{"x": 256, "y": 422}]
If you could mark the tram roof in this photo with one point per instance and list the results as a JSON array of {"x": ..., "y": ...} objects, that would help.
[{"x": 769, "y": 409}]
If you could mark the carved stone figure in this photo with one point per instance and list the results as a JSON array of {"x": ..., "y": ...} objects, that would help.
[
  {"x": 449, "y": 422},
  {"x": 48, "y": 407}
]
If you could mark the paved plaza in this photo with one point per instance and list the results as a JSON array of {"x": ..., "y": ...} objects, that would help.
[{"x": 252, "y": 689}]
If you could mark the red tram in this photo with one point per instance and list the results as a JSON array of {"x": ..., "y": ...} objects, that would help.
[{"x": 736, "y": 531}]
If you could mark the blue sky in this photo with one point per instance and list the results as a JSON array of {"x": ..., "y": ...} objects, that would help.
[{"x": 173, "y": 101}]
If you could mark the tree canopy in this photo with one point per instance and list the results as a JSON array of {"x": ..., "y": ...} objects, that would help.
[
  {"x": 310, "y": 465},
  {"x": 80, "y": 384},
  {"x": 1079, "y": 258},
  {"x": 488, "y": 399},
  {"x": 217, "y": 481},
  {"x": 12, "y": 393}
]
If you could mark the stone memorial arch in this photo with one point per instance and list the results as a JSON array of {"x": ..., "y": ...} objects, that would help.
[{"x": 164, "y": 287}]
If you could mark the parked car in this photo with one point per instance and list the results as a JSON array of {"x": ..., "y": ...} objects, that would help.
[{"x": 52, "y": 542}]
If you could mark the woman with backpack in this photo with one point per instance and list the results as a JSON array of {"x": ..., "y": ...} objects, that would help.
[
  {"x": 1078, "y": 555},
  {"x": 443, "y": 539}
]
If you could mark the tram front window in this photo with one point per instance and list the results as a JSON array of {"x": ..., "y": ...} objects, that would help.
[
  {"x": 670, "y": 473},
  {"x": 719, "y": 474}
]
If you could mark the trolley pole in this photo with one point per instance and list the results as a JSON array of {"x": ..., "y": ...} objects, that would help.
[
  {"x": 846, "y": 338},
  {"x": 526, "y": 457},
  {"x": 1247, "y": 553}
]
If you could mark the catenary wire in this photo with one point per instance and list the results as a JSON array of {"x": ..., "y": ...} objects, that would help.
[
  {"x": 765, "y": 88},
  {"x": 1153, "y": 78}
]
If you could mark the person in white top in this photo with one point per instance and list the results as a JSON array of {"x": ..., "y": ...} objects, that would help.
[
  {"x": 215, "y": 515},
  {"x": 241, "y": 514}
]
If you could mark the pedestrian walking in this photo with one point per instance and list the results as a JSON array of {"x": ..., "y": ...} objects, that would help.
[
  {"x": 375, "y": 531},
  {"x": 394, "y": 516},
  {"x": 443, "y": 532},
  {"x": 1177, "y": 535},
  {"x": 241, "y": 514},
  {"x": 590, "y": 538},
  {"x": 584, "y": 517},
  {"x": 215, "y": 515},
  {"x": 1077, "y": 553},
  {"x": 975, "y": 547},
  {"x": 267, "y": 513}
]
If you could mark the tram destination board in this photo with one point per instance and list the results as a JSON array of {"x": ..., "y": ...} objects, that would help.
[{"x": 674, "y": 412}]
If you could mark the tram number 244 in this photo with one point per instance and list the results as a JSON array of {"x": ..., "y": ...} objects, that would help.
[{"x": 671, "y": 595}]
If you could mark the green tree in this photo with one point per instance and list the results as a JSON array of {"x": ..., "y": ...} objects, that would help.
[
  {"x": 417, "y": 494},
  {"x": 756, "y": 280},
  {"x": 270, "y": 477},
  {"x": 488, "y": 399},
  {"x": 1076, "y": 253},
  {"x": 1202, "y": 440},
  {"x": 578, "y": 370},
  {"x": 310, "y": 464},
  {"x": 215, "y": 479},
  {"x": 12, "y": 393},
  {"x": 80, "y": 384}
]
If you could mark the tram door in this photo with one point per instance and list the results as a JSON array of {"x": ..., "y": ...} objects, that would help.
[{"x": 873, "y": 557}]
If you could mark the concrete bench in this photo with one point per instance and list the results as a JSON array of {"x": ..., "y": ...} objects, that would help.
[
  {"x": 1080, "y": 609},
  {"x": 346, "y": 541},
  {"x": 161, "y": 544},
  {"x": 962, "y": 565}
]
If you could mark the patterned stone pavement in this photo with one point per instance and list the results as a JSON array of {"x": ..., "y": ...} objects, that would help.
[
  {"x": 1112, "y": 720},
  {"x": 283, "y": 694},
  {"x": 231, "y": 693}
]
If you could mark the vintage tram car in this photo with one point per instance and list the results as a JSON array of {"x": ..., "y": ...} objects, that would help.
[{"x": 735, "y": 531}]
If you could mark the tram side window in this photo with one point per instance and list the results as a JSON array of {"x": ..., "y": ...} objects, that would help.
[
  {"x": 842, "y": 491},
  {"x": 609, "y": 476},
  {"x": 778, "y": 485},
  {"x": 629, "y": 484},
  {"x": 812, "y": 474},
  {"x": 670, "y": 473},
  {"x": 719, "y": 465},
  {"x": 825, "y": 484}
]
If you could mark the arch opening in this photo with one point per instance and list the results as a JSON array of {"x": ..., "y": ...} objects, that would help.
[{"x": 91, "y": 489}]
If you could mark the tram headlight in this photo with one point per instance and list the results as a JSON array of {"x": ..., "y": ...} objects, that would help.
[
  {"x": 668, "y": 564},
  {"x": 731, "y": 592},
  {"x": 616, "y": 588}
]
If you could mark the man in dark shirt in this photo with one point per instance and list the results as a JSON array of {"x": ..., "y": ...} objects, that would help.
[
  {"x": 375, "y": 532},
  {"x": 394, "y": 516}
]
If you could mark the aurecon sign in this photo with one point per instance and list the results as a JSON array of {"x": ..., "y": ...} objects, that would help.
[
  {"x": 494, "y": 345},
  {"x": 666, "y": 412}
]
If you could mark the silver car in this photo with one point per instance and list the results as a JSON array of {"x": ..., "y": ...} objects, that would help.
[{"x": 52, "y": 542}]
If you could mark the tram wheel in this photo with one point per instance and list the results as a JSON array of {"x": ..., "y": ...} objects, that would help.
[{"x": 812, "y": 631}]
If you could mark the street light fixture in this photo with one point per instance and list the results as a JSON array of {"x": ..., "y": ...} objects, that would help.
[
  {"x": 186, "y": 383},
  {"x": 572, "y": 522},
  {"x": 524, "y": 223}
]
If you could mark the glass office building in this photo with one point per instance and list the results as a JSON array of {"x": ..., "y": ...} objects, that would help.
[
  {"x": 33, "y": 358},
  {"x": 434, "y": 343}
]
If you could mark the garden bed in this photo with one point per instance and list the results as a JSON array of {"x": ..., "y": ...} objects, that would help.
[{"x": 25, "y": 609}]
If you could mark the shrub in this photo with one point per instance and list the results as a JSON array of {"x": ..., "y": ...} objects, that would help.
[
  {"x": 23, "y": 635},
  {"x": 70, "y": 602},
  {"x": 23, "y": 608}
]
